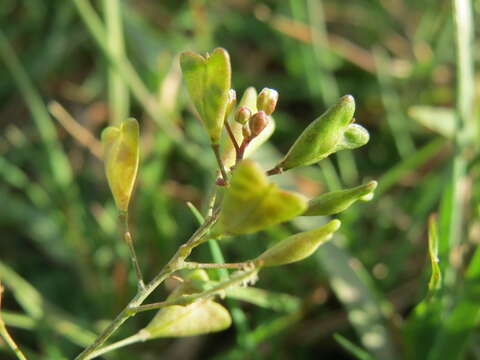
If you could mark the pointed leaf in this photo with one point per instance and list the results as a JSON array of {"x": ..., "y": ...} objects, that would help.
[
  {"x": 252, "y": 203},
  {"x": 208, "y": 82}
]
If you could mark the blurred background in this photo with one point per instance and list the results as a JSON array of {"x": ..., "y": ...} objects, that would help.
[{"x": 70, "y": 68}]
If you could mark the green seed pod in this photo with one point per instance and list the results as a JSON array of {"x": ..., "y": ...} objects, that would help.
[
  {"x": 298, "y": 246},
  {"x": 200, "y": 317},
  {"x": 337, "y": 201},
  {"x": 267, "y": 100},
  {"x": 242, "y": 115},
  {"x": 257, "y": 123},
  {"x": 121, "y": 156},
  {"x": 208, "y": 83},
  {"x": 252, "y": 203},
  {"x": 353, "y": 137},
  {"x": 321, "y": 137}
]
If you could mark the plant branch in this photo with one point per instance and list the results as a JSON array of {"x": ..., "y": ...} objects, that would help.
[
  {"x": 196, "y": 265},
  {"x": 141, "y": 336},
  {"x": 232, "y": 137},
  {"x": 188, "y": 299},
  {"x": 216, "y": 150},
  {"x": 175, "y": 263}
]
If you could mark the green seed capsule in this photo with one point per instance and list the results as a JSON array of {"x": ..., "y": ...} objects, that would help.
[
  {"x": 321, "y": 137},
  {"x": 337, "y": 201},
  {"x": 298, "y": 246},
  {"x": 121, "y": 156},
  {"x": 208, "y": 82},
  {"x": 353, "y": 137}
]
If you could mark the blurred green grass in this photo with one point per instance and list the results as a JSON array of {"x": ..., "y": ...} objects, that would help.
[{"x": 58, "y": 219}]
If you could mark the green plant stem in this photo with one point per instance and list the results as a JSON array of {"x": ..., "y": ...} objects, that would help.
[
  {"x": 141, "y": 336},
  {"x": 127, "y": 236},
  {"x": 6, "y": 335},
  {"x": 188, "y": 299},
  {"x": 173, "y": 265},
  {"x": 196, "y": 265},
  {"x": 232, "y": 137},
  {"x": 216, "y": 150},
  {"x": 10, "y": 342}
]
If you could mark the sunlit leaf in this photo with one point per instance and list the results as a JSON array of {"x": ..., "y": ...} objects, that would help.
[
  {"x": 208, "y": 81},
  {"x": 121, "y": 155},
  {"x": 253, "y": 203}
]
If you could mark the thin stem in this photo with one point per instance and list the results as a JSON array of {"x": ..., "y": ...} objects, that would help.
[
  {"x": 6, "y": 335},
  {"x": 172, "y": 266},
  {"x": 188, "y": 299},
  {"x": 141, "y": 336},
  {"x": 196, "y": 265},
  {"x": 232, "y": 137},
  {"x": 216, "y": 150},
  {"x": 127, "y": 236}
]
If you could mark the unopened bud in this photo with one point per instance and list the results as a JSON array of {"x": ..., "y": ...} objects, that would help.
[
  {"x": 258, "y": 122},
  {"x": 267, "y": 100},
  {"x": 242, "y": 115},
  {"x": 231, "y": 102},
  {"x": 246, "y": 131}
]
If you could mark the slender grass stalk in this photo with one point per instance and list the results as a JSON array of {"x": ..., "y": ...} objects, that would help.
[
  {"x": 391, "y": 102},
  {"x": 6, "y": 335},
  {"x": 463, "y": 314},
  {"x": 118, "y": 96},
  {"x": 58, "y": 162}
]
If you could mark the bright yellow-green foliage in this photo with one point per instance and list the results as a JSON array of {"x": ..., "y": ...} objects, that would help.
[
  {"x": 208, "y": 82},
  {"x": 121, "y": 155},
  {"x": 252, "y": 203}
]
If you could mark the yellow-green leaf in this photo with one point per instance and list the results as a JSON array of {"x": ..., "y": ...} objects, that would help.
[
  {"x": 337, "y": 201},
  {"x": 121, "y": 156},
  {"x": 208, "y": 82},
  {"x": 252, "y": 203},
  {"x": 201, "y": 317},
  {"x": 298, "y": 246}
]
